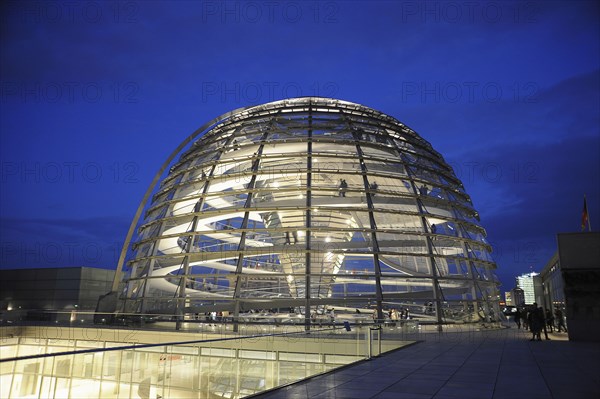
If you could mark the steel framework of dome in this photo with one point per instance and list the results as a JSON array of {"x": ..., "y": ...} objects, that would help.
[{"x": 309, "y": 203}]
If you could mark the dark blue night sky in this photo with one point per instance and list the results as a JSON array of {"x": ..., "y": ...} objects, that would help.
[{"x": 95, "y": 95}]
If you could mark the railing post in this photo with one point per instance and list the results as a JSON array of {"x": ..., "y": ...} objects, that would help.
[
  {"x": 379, "y": 341},
  {"x": 368, "y": 341}
]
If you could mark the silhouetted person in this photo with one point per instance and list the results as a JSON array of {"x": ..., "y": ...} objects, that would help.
[
  {"x": 550, "y": 320},
  {"x": 343, "y": 187},
  {"x": 525, "y": 318},
  {"x": 560, "y": 321},
  {"x": 287, "y": 237},
  {"x": 517, "y": 317},
  {"x": 373, "y": 186},
  {"x": 536, "y": 322},
  {"x": 543, "y": 316}
]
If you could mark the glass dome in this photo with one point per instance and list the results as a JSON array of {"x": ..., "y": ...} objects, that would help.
[{"x": 309, "y": 204}]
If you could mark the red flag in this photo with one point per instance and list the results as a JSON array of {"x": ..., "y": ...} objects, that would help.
[{"x": 584, "y": 215}]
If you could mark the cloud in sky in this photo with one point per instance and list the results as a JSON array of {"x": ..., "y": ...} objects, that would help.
[{"x": 91, "y": 104}]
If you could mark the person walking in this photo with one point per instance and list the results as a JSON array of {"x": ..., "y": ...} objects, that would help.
[
  {"x": 550, "y": 320},
  {"x": 373, "y": 187},
  {"x": 343, "y": 188},
  {"x": 535, "y": 319},
  {"x": 525, "y": 318},
  {"x": 560, "y": 321},
  {"x": 542, "y": 316},
  {"x": 517, "y": 318}
]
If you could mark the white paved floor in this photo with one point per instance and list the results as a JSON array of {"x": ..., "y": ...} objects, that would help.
[{"x": 498, "y": 364}]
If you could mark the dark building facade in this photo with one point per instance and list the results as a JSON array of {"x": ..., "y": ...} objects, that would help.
[
  {"x": 52, "y": 289},
  {"x": 579, "y": 258}
]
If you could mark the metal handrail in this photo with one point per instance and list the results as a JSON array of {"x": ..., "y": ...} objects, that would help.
[{"x": 77, "y": 352}]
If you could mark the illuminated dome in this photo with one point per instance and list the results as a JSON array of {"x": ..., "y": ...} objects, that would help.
[{"x": 309, "y": 203}]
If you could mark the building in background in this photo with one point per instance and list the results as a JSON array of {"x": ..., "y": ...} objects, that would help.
[
  {"x": 531, "y": 284},
  {"x": 48, "y": 292},
  {"x": 553, "y": 285},
  {"x": 508, "y": 298},
  {"x": 517, "y": 297}
]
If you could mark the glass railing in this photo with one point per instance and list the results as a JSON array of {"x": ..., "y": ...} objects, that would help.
[{"x": 87, "y": 362}]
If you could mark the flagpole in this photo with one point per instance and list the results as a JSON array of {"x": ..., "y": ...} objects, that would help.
[
  {"x": 589, "y": 219},
  {"x": 586, "y": 215}
]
